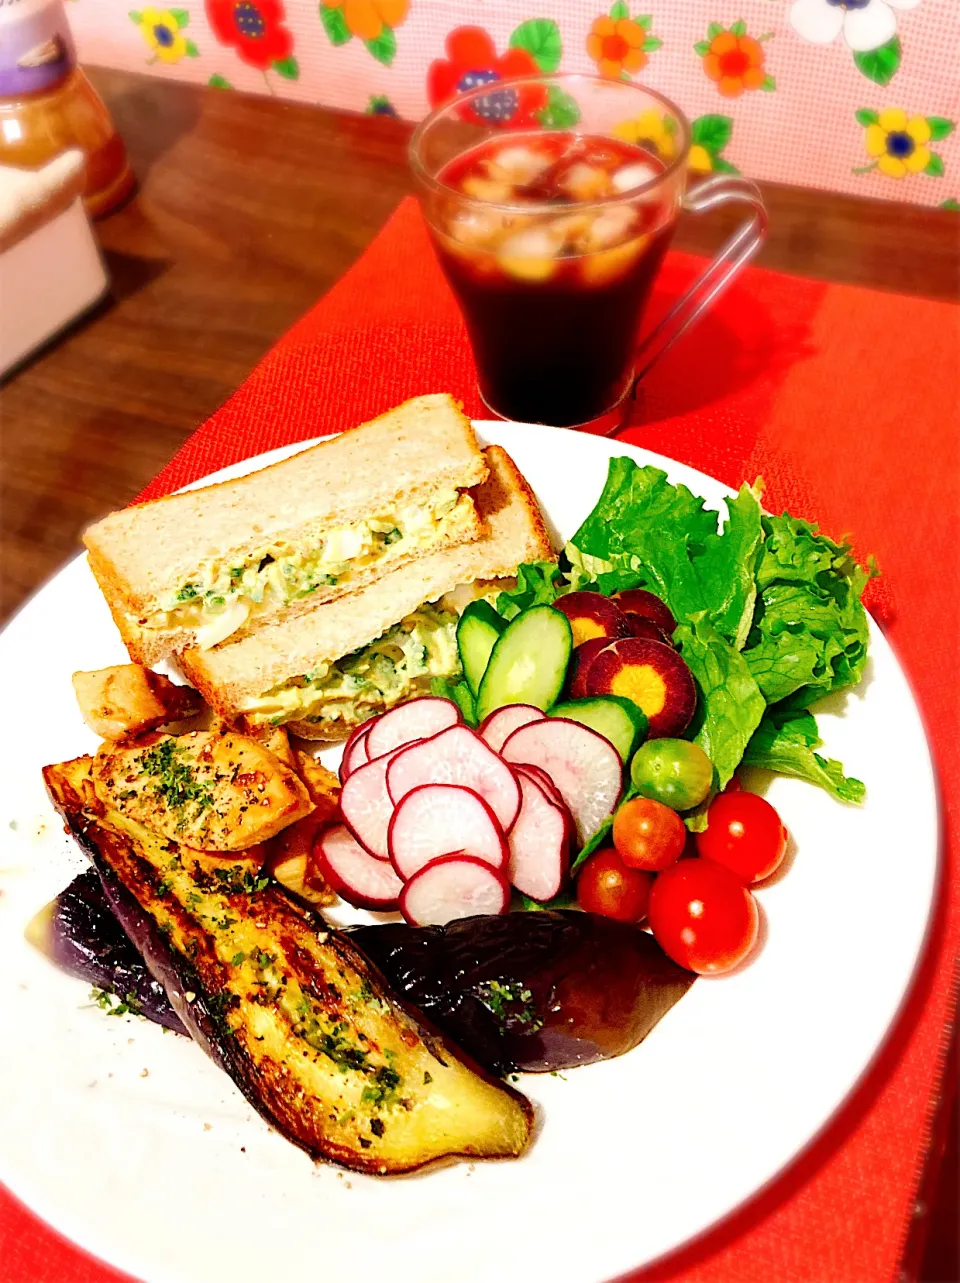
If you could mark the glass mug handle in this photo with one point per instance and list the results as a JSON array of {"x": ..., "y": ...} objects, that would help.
[{"x": 741, "y": 246}]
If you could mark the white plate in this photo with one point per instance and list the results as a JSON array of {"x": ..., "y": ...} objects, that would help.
[{"x": 170, "y": 1175}]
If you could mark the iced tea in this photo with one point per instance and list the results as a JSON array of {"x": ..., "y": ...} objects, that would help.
[{"x": 552, "y": 256}]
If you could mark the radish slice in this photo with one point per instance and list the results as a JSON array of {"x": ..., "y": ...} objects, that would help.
[
  {"x": 457, "y": 756},
  {"x": 455, "y": 886},
  {"x": 539, "y": 843},
  {"x": 539, "y": 776},
  {"x": 496, "y": 729},
  {"x": 355, "y": 751},
  {"x": 437, "y": 819},
  {"x": 356, "y": 875},
  {"x": 366, "y": 806},
  {"x": 584, "y": 766},
  {"x": 417, "y": 720}
]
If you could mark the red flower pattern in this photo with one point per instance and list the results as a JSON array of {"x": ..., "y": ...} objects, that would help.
[
  {"x": 254, "y": 27},
  {"x": 472, "y": 60}
]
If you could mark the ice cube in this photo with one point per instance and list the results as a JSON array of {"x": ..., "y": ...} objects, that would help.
[
  {"x": 585, "y": 182},
  {"x": 486, "y": 189},
  {"x": 610, "y": 227},
  {"x": 571, "y": 229},
  {"x": 476, "y": 228},
  {"x": 530, "y": 255},
  {"x": 634, "y": 175},
  {"x": 518, "y": 165},
  {"x": 606, "y": 265}
]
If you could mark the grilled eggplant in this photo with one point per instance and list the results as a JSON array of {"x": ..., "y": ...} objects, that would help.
[
  {"x": 80, "y": 933},
  {"x": 304, "y": 1025},
  {"x": 531, "y": 991}
]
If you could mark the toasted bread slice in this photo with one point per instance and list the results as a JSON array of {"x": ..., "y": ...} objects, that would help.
[
  {"x": 232, "y": 675},
  {"x": 196, "y": 567}
]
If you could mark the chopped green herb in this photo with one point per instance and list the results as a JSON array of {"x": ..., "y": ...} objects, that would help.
[
  {"x": 237, "y": 959},
  {"x": 176, "y": 781},
  {"x": 114, "y": 1006},
  {"x": 188, "y": 592},
  {"x": 511, "y": 1004},
  {"x": 427, "y": 1077}
]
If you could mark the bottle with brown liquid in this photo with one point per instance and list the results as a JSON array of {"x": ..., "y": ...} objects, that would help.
[{"x": 47, "y": 104}]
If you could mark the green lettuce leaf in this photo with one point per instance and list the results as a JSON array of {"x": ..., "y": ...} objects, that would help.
[
  {"x": 809, "y": 635},
  {"x": 784, "y": 742},
  {"x": 646, "y": 533},
  {"x": 539, "y": 583},
  {"x": 731, "y": 705}
]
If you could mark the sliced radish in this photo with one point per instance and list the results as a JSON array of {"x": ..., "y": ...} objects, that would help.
[
  {"x": 584, "y": 766},
  {"x": 416, "y": 720},
  {"x": 539, "y": 843},
  {"x": 356, "y": 875},
  {"x": 457, "y": 756},
  {"x": 366, "y": 806},
  {"x": 496, "y": 729},
  {"x": 539, "y": 776},
  {"x": 444, "y": 819},
  {"x": 455, "y": 886},
  {"x": 355, "y": 751}
]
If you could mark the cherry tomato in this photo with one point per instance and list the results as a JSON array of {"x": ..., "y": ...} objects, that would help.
[
  {"x": 703, "y": 916},
  {"x": 745, "y": 834},
  {"x": 674, "y": 772},
  {"x": 648, "y": 835},
  {"x": 734, "y": 785},
  {"x": 606, "y": 886}
]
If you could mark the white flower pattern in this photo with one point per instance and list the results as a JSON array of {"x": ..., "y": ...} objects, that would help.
[{"x": 865, "y": 24}]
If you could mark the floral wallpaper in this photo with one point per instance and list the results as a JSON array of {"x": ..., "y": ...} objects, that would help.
[{"x": 859, "y": 96}]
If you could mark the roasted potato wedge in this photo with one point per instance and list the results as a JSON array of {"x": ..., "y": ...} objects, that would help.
[
  {"x": 126, "y": 700},
  {"x": 211, "y": 790},
  {"x": 289, "y": 853},
  {"x": 299, "y": 1019}
]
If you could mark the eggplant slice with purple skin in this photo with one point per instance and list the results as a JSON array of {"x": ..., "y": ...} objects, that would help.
[
  {"x": 526, "y": 991},
  {"x": 304, "y": 1025},
  {"x": 79, "y": 932}
]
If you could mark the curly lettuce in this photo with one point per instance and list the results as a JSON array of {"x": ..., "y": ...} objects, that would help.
[
  {"x": 785, "y": 741},
  {"x": 768, "y": 612},
  {"x": 809, "y": 634}
]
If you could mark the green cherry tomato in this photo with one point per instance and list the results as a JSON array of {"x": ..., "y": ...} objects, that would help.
[{"x": 674, "y": 772}]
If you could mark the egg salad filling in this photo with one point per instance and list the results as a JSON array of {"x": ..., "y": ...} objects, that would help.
[
  {"x": 223, "y": 597},
  {"x": 396, "y": 666}
]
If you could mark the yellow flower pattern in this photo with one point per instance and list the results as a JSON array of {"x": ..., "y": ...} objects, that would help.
[
  {"x": 162, "y": 31},
  {"x": 899, "y": 144},
  {"x": 651, "y": 129}
]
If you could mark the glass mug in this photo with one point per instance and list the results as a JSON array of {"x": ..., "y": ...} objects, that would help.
[{"x": 551, "y": 201}]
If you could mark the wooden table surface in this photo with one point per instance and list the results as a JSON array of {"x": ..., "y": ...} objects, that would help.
[{"x": 249, "y": 210}]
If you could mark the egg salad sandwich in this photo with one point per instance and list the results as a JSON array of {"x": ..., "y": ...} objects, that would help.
[
  {"x": 189, "y": 571},
  {"x": 322, "y": 673}
]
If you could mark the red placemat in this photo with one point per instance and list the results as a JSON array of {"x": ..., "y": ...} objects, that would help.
[{"x": 845, "y": 401}]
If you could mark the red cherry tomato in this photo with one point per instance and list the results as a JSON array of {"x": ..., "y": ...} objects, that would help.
[
  {"x": 703, "y": 916},
  {"x": 648, "y": 835},
  {"x": 745, "y": 834},
  {"x": 734, "y": 785},
  {"x": 606, "y": 886}
]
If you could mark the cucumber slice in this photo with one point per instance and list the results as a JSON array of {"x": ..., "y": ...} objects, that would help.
[
  {"x": 477, "y": 634},
  {"x": 529, "y": 662},
  {"x": 616, "y": 719}
]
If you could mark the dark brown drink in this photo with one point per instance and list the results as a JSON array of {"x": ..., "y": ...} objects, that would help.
[{"x": 553, "y": 298}]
